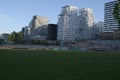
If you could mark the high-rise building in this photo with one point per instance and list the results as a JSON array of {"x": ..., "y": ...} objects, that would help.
[
  {"x": 38, "y": 26},
  {"x": 110, "y": 22},
  {"x": 67, "y": 23},
  {"x": 74, "y": 25},
  {"x": 86, "y": 23}
]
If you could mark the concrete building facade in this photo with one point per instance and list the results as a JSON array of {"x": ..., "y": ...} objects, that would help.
[
  {"x": 110, "y": 23},
  {"x": 75, "y": 24},
  {"x": 67, "y": 23},
  {"x": 26, "y": 33},
  {"x": 86, "y": 23},
  {"x": 99, "y": 29},
  {"x": 38, "y": 27}
]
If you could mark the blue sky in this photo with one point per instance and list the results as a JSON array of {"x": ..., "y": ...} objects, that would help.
[{"x": 15, "y": 14}]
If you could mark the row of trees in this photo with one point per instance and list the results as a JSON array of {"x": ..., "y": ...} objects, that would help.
[{"x": 16, "y": 37}]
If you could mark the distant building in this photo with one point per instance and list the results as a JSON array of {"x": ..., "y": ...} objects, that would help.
[
  {"x": 74, "y": 25},
  {"x": 99, "y": 28},
  {"x": 117, "y": 34},
  {"x": 110, "y": 23},
  {"x": 41, "y": 33},
  {"x": 52, "y": 32},
  {"x": 107, "y": 35},
  {"x": 4, "y": 37},
  {"x": 67, "y": 23},
  {"x": 111, "y": 35},
  {"x": 26, "y": 33},
  {"x": 86, "y": 23},
  {"x": 38, "y": 26}
]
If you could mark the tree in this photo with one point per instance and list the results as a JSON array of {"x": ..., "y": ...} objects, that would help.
[
  {"x": 16, "y": 37},
  {"x": 116, "y": 12},
  {"x": 20, "y": 37},
  {"x": 13, "y": 37}
]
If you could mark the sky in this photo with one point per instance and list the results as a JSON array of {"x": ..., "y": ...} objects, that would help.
[{"x": 15, "y": 14}]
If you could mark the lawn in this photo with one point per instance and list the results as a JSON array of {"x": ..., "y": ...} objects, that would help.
[{"x": 59, "y": 65}]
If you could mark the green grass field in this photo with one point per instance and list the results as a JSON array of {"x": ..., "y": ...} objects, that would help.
[{"x": 59, "y": 65}]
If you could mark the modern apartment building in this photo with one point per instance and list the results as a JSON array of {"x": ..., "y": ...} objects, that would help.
[
  {"x": 38, "y": 27},
  {"x": 67, "y": 23},
  {"x": 110, "y": 23},
  {"x": 86, "y": 23},
  {"x": 75, "y": 24}
]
